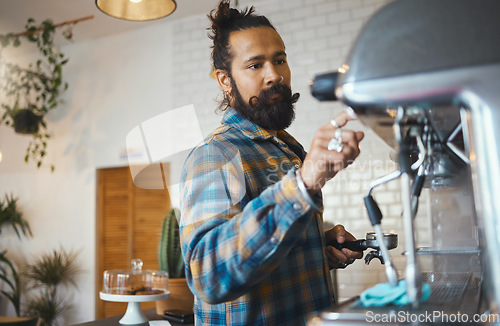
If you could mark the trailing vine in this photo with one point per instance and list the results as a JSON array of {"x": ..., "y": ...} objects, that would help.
[{"x": 30, "y": 93}]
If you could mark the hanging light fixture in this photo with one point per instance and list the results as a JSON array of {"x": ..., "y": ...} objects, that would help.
[{"x": 137, "y": 10}]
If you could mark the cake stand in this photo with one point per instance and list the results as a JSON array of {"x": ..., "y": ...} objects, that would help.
[{"x": 134, "y": 314}]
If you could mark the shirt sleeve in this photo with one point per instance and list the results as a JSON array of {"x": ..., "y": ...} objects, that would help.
[{"x": 231, "y": 242}]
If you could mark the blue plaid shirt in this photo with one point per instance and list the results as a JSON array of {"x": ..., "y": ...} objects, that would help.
[{"x": 254, "y": 249}]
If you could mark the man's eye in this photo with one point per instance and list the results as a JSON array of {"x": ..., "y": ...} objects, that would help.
[
  {"x": 255, "y": 66},
  {"x": 280, "y": 61}
]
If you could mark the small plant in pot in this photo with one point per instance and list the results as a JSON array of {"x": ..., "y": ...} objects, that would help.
[
  {"x": 26, "y": 121},
  {"x": 30, "y": 92},
  {"x": 170, "y": 260},
  {"x": 49, "y": 277}
]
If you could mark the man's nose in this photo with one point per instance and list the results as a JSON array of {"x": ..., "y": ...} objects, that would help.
[{"x": 272, "y": 75}]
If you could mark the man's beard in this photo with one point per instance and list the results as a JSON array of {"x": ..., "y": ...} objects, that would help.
[{"x": 268, "y": 113}]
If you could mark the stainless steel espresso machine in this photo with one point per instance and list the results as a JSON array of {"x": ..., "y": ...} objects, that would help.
[{"x": 424, "y": 75}]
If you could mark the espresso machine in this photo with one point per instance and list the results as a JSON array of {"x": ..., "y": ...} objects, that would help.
[{"x": 424, "y": 75}]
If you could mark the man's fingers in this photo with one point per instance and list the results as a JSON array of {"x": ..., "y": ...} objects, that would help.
[
  {"x": 352, "y": 254},
  {"x": 342, "y": 118},
  {"x": 360, "y": 135},
  {"x": 340, "y": 232},
  {"x": 345, "y": 256}
]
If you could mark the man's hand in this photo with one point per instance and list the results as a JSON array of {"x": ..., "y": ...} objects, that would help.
[
  {"x": 321, "y": 164},
  {"x": 344, "y": 257}
]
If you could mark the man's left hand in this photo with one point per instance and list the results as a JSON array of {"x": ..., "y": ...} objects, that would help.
[{"x": 340, "y": 258}]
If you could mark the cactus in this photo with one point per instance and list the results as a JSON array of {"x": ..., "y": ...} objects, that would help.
[{"x": 169, "y": 251}]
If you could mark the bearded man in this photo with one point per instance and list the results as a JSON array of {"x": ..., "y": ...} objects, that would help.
[{"x": 251, "y": 205}]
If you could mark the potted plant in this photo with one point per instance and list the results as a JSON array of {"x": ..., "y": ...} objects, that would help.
[
  {"x": 46, "y": 275},
  {"x": 11, "y": 216},
  {"x": 40, "y": 281},
  {"x": 31, "y": 92},
  {"x": 10, "y": 276},
  {"x": 13, "y": 279},
  {"x": 170, "y": 260}
]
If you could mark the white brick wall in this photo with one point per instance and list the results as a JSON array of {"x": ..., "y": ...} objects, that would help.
[{"x": 318, "y": 35}]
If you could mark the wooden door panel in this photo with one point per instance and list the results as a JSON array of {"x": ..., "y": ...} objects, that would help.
[{"x": 128, "y": 226}]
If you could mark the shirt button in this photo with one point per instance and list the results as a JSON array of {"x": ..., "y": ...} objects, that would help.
[
  {"x": 297, "y": 206},
  {"x": 274, "y": 240},
  {"x": 297, "y": 166}
]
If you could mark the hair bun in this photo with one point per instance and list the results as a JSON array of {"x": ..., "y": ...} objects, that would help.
[{"x": 224, "y": 17}]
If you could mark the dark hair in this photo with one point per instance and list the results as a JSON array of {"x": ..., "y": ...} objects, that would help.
[{"x": 226, "y": 20}]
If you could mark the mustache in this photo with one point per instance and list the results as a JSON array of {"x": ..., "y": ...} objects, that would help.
[{"x": 266, "y": 95}]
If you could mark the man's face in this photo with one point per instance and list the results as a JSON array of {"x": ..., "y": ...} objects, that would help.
[{"x": 260, "y": 82}]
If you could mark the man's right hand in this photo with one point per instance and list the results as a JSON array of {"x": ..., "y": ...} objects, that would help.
[{"x": 321, "y": 164}]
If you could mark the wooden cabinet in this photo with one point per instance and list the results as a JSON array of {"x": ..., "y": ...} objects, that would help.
[{"x": 129, "y": 222}]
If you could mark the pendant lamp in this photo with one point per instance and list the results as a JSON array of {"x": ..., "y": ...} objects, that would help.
[{"x": 137, "y": 10}]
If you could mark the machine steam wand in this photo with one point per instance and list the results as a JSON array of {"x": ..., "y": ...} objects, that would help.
[{"x": 375, "y": 216}]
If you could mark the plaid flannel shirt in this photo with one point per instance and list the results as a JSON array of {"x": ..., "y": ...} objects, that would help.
[{"x": 254, "y": 249}]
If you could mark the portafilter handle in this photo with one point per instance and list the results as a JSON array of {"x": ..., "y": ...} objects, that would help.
[
  {"x": 390, "y": 240},
  {"x": 356, "y": 245}
]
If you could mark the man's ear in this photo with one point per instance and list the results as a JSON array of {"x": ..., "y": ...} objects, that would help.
[{"x": 224, "y": 81}]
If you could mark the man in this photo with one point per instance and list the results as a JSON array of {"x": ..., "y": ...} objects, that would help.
[{"x": 251, "y": 225}]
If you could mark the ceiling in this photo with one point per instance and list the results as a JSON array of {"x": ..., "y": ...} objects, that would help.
[{"x": 15, "y": 13}]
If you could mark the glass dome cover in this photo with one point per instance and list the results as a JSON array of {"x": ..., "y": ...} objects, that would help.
[{"x": 136, "y": 281}]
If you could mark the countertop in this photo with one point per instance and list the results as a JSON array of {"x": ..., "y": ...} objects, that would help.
[{"x": 150, "y": 314}]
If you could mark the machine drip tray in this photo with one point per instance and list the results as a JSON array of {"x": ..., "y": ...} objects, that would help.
[
  {"x": 445, "y": 289},
  {"x": 452, "y": 294}
]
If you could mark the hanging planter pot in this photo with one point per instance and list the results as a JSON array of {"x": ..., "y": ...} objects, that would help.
[
  {"x": 26, "y": 122},
  {"x": 29, "y": 92}
]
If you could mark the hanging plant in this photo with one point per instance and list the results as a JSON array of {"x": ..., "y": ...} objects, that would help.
[{"x": 30, "y": 93}]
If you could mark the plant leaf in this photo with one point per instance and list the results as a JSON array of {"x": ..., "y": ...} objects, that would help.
[{"x": 17, "y": 42}]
